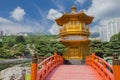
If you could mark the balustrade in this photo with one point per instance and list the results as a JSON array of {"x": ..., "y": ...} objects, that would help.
[
  {"x": 105, "y": 70},
  {"x": 40, "y": 71}
]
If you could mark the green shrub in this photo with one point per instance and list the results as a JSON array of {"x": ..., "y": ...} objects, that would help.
[{"x": 48, "y": 55}]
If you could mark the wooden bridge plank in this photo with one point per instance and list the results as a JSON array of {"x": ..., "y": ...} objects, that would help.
[{"x": 73, "y": 72}]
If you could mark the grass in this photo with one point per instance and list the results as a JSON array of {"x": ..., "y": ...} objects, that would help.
[
  {"x": 2, "y": 59},
  {"x": 28, "y": 64},
  {"x": 3, "y": 66},
  {"x": 27, "y": 77}
]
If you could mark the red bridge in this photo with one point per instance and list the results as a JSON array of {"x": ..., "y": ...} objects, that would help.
[{"x": 95, "y": 68}]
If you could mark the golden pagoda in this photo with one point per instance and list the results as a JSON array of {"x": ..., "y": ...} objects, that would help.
[{"x": 74, "y": 33}]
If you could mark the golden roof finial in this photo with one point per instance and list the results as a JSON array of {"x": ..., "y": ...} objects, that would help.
[
  {"x": 65, "y": 13},
  {"x": 73, "y": 9},
  {"x": 82, "y": 11}
]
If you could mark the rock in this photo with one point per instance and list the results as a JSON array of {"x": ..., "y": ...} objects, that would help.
[{"x": 13, "y": 73}]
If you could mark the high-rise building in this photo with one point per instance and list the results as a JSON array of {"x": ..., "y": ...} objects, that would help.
[
  {"x": 109, "y": 29},
  {"x": 102, "y": 32},
  {"x": 1, "y": 33}
]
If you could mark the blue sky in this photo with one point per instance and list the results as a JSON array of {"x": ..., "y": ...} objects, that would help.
[{"x": 38, "y": 15}]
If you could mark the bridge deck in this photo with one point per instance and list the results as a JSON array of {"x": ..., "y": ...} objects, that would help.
[{"x": 73, "y": 72}]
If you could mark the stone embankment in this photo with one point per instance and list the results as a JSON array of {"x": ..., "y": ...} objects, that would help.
[
  {"x": 14, "y": 61},
  {"x": 17, "y": 72},
  {"x": 11, "y": 62},
  {"x": 14, "y": 73}
]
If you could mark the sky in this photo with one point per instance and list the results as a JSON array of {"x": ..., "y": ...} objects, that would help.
[{"x": 39, "y": 15}]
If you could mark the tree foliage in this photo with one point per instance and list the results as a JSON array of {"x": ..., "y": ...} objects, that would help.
[
  {"x": 97, "y": 47},
  {"x": 47, "y": 44},
  {"x": 106, "y": 48},
  {"x": 44, "y": 45},
  {"x": 12, "y": 46},
  {"x": 115, "y": 43},
  {"x": 20, "y": 39}
]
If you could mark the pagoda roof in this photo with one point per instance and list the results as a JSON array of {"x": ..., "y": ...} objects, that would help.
[{"x": 74, "y": 16}]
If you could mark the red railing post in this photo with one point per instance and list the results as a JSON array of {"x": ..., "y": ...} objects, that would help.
[
  {"x": 93, "y": 58},
  {"x": 55, "y": 55},
  {"x": 104, "y": 65},
  {"x": 45, "y": 64},
  {"x": 116, "y": 67},
  {"x": 51, "y": 60},
  {"x": 34, "y": 67},
  {"x": 87, "y": 58}
]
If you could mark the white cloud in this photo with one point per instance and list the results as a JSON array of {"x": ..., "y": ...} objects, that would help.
[
  {"x": 94, "y": 29},
  {"x": 15, "y": 27},
  {"x": 18, "y": 13},
  {"x": 54, "y": 29},
  {"x": 59, "y": 5},
  {"x": 53, "y": 14},
  {"x": 103, "y": 8},
  {"x": 103, "y": 22},
  {"x": 3, "y": 20},
  {"x": 103, "y": 11},
  {"x": 79, "y": 1}
]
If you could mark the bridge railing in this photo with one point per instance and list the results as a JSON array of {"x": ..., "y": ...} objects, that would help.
[
  {"x": 116, "y": 66},
  {"x": 101, "y": 66},
  {"x": 45, "y": 67}
]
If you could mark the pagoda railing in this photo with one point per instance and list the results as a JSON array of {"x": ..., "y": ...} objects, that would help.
[{"x": 73, "y": 32}]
